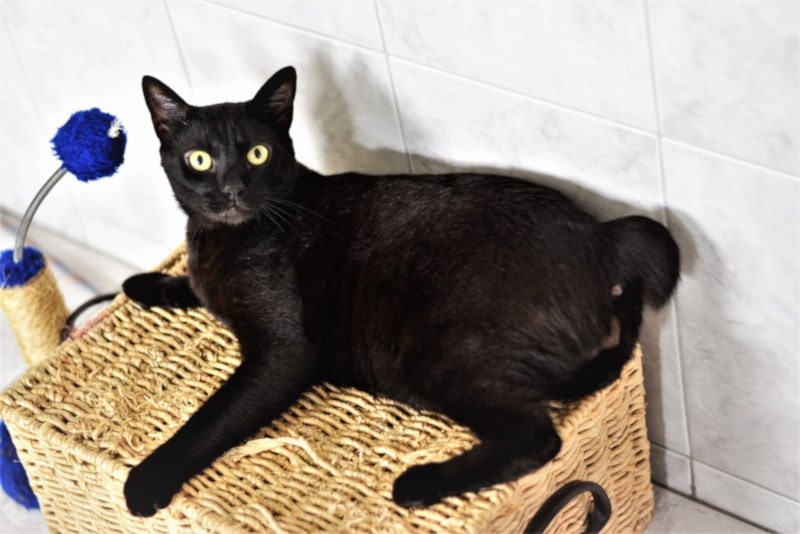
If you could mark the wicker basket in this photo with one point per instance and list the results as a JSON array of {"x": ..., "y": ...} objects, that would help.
[{"x": 105, "y": 400}]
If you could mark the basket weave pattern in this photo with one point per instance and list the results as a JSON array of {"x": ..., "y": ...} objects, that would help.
[{"x": 107, "y": 399}]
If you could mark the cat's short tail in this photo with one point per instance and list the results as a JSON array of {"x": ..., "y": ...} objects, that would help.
[{"x": 642, "y": 250}]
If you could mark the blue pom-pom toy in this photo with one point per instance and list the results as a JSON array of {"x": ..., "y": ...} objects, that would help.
[
  {"x": 17, "y": 274},
  {"x": 90, "y": 145}
]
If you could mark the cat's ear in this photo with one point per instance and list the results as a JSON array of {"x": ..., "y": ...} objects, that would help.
[
  {"x": 167, "y": 109},
  {"x": 275, "y": 99}
]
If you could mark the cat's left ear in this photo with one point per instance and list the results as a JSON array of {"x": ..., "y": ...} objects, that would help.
[{"x": 275, "y": 99}]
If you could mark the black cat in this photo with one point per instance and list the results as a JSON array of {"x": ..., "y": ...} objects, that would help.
[{"x": 481, "y": 297}]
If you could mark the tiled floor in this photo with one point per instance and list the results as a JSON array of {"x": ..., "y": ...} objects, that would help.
[{"x": 82, "y": 274}]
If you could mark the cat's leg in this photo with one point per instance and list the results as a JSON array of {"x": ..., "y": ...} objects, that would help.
[
  {"x": 605, "y": 366},
  {"x": 512, "y": 445},
  {"x": 596, "y": 373},
  {"x": 261, "y": 388},
  {"x": 158, "y": 289}
]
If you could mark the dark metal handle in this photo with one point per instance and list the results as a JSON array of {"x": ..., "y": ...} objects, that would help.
[
  {"x": 69, "y": 325},
  {"x": 596, "y": 519}
]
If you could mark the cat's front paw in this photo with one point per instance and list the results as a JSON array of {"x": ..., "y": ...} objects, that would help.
[
  {"x": 146, "y": 289},
  {"x": 148, "y": 489},
  {"x": 418, "y": 486}
]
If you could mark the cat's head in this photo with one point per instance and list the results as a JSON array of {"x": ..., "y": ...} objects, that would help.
[{"x": 226, "y": 161}]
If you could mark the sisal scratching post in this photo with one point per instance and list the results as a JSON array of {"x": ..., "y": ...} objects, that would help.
[
  {"x": 90, "y": 145},
  {"x": 35, "y": 310}
]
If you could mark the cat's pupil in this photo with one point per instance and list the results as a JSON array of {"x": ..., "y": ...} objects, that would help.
[
  {"x": 199, "y": 159},
  {"x": 257, "y": 153}
]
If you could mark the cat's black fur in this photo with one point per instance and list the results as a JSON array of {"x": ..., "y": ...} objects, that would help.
[{"x": 482, "y": 297}]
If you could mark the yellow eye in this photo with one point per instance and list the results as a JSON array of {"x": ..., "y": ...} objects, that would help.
[
  {"x": 257, "y": 155},
  {"x": 199, "y": 160}
]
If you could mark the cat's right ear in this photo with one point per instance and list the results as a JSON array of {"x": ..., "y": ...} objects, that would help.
[{"x": 167, "y": 109}]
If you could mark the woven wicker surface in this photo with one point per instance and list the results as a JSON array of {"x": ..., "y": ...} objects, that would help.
[{"x": 108, "y": 398}]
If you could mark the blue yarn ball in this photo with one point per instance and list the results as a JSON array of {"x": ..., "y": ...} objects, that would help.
[
  {"x": 17, "y": 274},
  {"x": 13, "y": 479},
  {"x": 91, "y": 144}
]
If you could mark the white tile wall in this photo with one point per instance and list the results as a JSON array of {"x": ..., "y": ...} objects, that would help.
[
  {"x": 686, "y": 110},
  {"x": 577, "y": 54},
  {"x": 352, "y": 21},
  {"x": 28, "y": 161},
  {"x": 736, "y": 224},
  {"x": 728, "y": 78},
  {"x": 480, "y": 126}
]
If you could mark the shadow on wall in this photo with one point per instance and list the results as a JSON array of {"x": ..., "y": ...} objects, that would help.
[
  {"x": 338, "y": 134},
  {"x": 338, "y": 138}
]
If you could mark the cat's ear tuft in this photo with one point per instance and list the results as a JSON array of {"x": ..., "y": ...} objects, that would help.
[
  {"x": 167, "y": 109},
  {"x": 275, "y": 99}
]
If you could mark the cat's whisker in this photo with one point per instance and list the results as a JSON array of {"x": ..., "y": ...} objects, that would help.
[
  {"x": 311, "y": 222},
  {"x": 275, "y": 214},
  {"x": 285, "y": 216},
  {"x": 287, "y": 209},
  {"x": 267, "y": 213},
  {"x": 300, "y": 207},
  {"x": 298, "y": 217}
]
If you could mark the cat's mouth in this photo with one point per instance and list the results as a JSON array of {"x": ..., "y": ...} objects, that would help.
[{"x": 233, "y": 216}]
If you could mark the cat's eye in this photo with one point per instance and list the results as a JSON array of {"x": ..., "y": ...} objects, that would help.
[
  {"x": 257, "y": 155},
  {"x": 199, "y": 160}
]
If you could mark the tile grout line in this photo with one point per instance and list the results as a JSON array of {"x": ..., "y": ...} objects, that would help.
[
  {"x": 314, "y": 33},
  {"x": 730, "y": 158},
  {"x": 674, "y": 308},
  {"x": 538, "y": 99},
  {"x": 717, "y": 509},
  {"x": 184, "y": 65},
  {"x": 722, "y": 472},
  {"x": 711, "y": 507},
  {"x": 598, "y": 118},
  {"x": 747, "y": 482},
  {"x": 398, "y": 115}
]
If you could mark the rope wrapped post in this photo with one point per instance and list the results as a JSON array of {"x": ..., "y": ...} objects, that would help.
[
  {"x": 90, "y": 145},
  {"x": 33, "y": 304}
]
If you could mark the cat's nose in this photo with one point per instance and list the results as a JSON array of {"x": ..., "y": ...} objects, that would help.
[{"x": 233, "y": 191}]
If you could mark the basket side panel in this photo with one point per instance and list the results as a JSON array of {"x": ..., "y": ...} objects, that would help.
[{"x": 75, "y": 493}]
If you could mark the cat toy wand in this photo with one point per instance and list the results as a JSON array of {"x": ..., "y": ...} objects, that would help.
[{"x": 90, "y": 145}]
